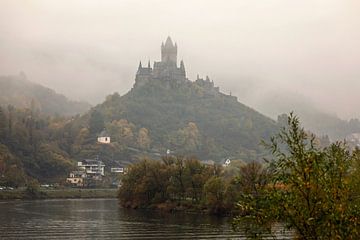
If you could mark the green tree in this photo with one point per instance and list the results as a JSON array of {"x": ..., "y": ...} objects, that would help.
[
  {"x": 143, "y": 139},
  {"x": 215, "y": 190},
  {"x": 96, "y": 122},
  {"x": 310, "y": 191},
  {"x": 3, "y": 128}
]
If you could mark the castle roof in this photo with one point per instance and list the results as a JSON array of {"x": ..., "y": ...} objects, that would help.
[
  {"x": 103, "y": 134},
  {"x": 169, "y": 42}
]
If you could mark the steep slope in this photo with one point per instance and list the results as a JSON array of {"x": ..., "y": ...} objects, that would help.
[
  {"x": 189, "y": 119},
  {"x": 166, "y": 113},
  {"x": 19, "y": 92}
]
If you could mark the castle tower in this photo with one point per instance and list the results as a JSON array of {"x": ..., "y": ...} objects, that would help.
[
  {"x": 143, "y": 74},
  {"x": 169, "y": 52},
  {"x": 165, "y": 71}
]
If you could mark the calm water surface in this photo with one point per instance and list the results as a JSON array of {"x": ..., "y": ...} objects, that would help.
[{"x": 103, "y": 219}]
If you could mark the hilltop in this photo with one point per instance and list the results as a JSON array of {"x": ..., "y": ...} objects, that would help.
[
  {"x": 22, "y": 93},
  {"x": 166, "y": 111}
]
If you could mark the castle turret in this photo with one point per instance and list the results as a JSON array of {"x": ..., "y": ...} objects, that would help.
[
  {"x": 169, "y": 52},
  {"x": 143, "y": 74},
  {"x": 182, "y": 68}
]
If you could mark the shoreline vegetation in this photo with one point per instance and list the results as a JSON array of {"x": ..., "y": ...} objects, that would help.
[
  {"x": 311, "y": 188},
  {"x": 178, "y": 183},
  {"x": 26, "y": 193}
]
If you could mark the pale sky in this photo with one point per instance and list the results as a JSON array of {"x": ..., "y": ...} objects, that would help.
[{"x": 259, "y": 50}]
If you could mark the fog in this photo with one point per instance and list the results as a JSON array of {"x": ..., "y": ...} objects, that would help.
[{"x": 266, "y": 52}]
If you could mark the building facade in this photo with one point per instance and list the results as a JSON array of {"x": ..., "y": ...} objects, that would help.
[
  {"x": 93, "y": 168},
  {"x": 166, "y": 70}
]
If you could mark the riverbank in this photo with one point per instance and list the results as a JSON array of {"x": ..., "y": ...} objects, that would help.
[
  {"x": 186, "y": 206},
  {"x": 58, "y": 193}
]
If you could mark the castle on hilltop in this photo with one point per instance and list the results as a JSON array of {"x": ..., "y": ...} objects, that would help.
[{"x": 166, "y": 70}]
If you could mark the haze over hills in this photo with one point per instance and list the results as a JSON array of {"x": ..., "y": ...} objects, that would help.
[
  {"x": 165, "y": 110},
  {"x": 22, "y": 93},
  {"x": 164, "y": 113},
  {"x": 312, "y": 118}
]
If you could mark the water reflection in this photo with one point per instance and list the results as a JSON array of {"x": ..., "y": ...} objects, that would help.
[{"x": 104, "y": 219}]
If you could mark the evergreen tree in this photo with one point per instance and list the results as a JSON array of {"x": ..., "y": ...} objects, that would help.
[{"x": 96, "y": 122}]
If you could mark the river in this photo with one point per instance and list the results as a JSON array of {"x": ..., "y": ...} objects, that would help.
[{"x": 104, "y": 219}]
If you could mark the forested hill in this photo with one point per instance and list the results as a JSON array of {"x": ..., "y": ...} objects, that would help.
[
  {"x": 191, "y": 118},
  {"x": 188, "y": 118},
  {"x": 21, "y": 93}
]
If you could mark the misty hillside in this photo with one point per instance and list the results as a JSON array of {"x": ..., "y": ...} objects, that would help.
[
  {"x": 323, "y": 123},
  {"x": 166, "y": 112},
  {"x": 19, "y": 92},
  {"x": 312, "y": 118},
  {"x": 188, "y": 119}
]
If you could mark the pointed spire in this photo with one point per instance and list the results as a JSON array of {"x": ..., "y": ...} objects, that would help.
[
  {"x": 182, "y": 66},
  {"x": 149, "y": 64},
  {"x": 168, "y": 42},
  {"x": 140, "y": 66}
]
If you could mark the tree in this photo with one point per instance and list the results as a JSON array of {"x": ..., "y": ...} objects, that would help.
[
  {"x": 215, "y": 190},
  {"x": 143, "y": 139},
  {"x": 96, "y": 122},
  {"x": 3, "y": 123},
  {"x": 310, "y": 190}
]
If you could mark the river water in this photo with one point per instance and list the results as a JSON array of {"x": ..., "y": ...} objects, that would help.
[{"x": 104, "y": 219}]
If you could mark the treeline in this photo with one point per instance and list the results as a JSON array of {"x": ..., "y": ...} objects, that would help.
[
  {"x": 313, "y": 190},
  {"x": 30, "y": 147},
  {"x": 186, "y": 183}
]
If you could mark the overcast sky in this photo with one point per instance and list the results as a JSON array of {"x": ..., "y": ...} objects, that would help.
[{"x": 257, "y": 49}]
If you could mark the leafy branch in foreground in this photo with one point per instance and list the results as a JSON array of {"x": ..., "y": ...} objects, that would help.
[{"x": 311, "y": 190}]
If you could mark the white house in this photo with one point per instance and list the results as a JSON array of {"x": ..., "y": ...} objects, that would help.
[
  {"x": 117, "y": 170},
  {"x": 227, "y": 162},
  {"x": 104, "y": 137},
  {"x": 93, "y": 168},
  {"x": 76, "y": 178}
]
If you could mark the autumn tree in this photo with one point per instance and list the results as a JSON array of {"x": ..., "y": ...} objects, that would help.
[
  {"x": 310, "y": 188},
  {"x": 143, "y": 139}
]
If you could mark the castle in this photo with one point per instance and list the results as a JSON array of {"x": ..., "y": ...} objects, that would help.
[{"x": 168, "y": 72}]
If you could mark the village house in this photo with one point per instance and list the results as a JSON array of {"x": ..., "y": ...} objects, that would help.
[
  {"x": 89, "y": 170},
  {"x": 76, "y": 178},
  {"x": 104, "y": 137},
  {"x": 117, "y": 170},
  {"x": 94, "y": 169}
]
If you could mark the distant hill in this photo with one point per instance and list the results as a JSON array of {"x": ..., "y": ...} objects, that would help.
[
  {"x": 314, "y": 119},
  {"x": 21, "y": 93},
  {"x": 323, "y": 123}
]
